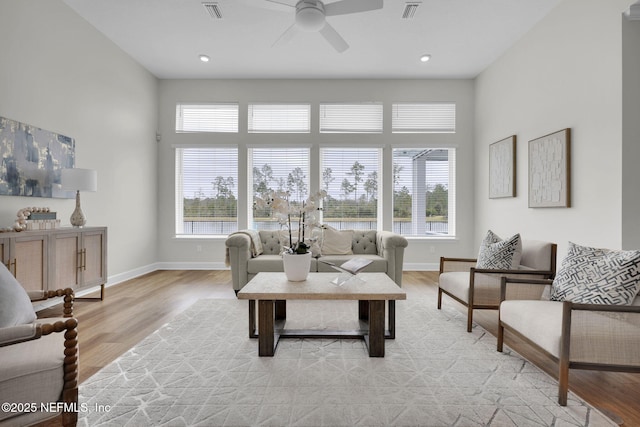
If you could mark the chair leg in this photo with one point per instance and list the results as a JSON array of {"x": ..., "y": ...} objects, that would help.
[
  {"x": 500, "y": 336},
  {"x": 469, "y": 317},
  {"x": 563, "y": 383},
  {"x": 439, "y": 298}
]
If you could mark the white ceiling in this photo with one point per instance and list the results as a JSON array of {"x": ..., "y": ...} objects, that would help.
[{"x": 166, "y": 37}]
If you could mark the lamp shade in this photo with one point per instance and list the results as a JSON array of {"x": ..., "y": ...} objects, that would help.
[{"x": 79, "y": 179}]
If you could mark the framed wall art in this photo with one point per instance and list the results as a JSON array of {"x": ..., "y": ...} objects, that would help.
[
  {"x": 550, "y": 170},
  {"x": 31, "y": 160},
  {"x": 502, "y": 168}
]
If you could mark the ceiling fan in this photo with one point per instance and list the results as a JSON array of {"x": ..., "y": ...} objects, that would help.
[{"x": 310, "y": 16}]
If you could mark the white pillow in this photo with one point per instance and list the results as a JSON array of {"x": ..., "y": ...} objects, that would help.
[
  {"x": 15, "y": 305},
  {"x": 336, "y": 242},
  {"x": 498, "y": 254}
]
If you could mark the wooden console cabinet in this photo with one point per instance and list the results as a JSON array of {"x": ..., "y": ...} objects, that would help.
[{"x": 55, "y": 259}]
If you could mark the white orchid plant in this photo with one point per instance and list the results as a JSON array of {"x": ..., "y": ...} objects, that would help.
[{"x": 299, "y": 217}]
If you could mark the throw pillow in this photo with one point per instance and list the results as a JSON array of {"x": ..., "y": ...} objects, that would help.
[
  {"x": 498, "y": 254},
  {"x": 597, "y": 276},
  {"x": 15, "y": 305},
  {"x": 336, "y": 242}
]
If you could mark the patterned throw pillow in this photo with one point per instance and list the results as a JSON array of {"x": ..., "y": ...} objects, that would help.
[
  {"x": 498, "y": 254},
  {"x": 597, "y": 276}
]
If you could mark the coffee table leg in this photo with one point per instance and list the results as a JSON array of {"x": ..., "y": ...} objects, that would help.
[
  {"x": 363, "y": 310},
  {"x": 252, "y": 319},
  {"x": 376, "y": 328},
  {"x": 392, "y": 319},
  {"x": 266, "y": 337},
  {"x": 281, "y": 309}
]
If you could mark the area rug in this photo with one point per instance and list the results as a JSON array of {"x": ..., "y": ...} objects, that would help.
[{"x": 202, "y": 369}]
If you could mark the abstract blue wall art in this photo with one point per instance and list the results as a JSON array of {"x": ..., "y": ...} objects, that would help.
[{"x": 31, "y": 160}]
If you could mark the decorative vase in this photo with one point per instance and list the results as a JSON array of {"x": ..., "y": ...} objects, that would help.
[{"x": 296, "y": 266}]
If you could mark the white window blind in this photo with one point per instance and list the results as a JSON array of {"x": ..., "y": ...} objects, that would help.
[
  {"x": 350, "y": 177},
  {"x": 221, "y": 117},
  {"x": 365, "y": 117},
  {"x": 279, "y": 169},
  {"x": 206, "y": 191},
  {"x": 433, "y": 117},
  {"x": 424, "y": 191},
  {"x": 279, "y": 118}
]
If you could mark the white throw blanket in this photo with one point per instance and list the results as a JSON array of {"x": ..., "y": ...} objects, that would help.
[{"x": 255, "y": 245}]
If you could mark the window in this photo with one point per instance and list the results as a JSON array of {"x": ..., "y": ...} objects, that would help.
[
  {"x": 434, "y": 117},
  {"x": 206, "y": 191},
  {"x": 280, "y": 169},
  {"x": 424, "y": 191},
  {"x": 350, "y": 177},
  {"x": 207, "y": 117},
  {"x": 279, "y": 118},
  {"x": 363, "y": 117}
]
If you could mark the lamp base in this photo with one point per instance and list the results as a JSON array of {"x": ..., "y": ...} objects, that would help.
[{"x": 77, "y": 217}]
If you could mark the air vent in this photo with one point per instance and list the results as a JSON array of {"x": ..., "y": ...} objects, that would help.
[
  {"x": 410, "y": 9},
  {"x": 213, "y": 9}
]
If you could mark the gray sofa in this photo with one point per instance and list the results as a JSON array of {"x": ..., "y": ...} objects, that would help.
[{"x": 384, "y": 248}]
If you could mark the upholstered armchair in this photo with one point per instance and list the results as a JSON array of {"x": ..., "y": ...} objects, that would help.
[
  {"x": 39, "y": 369},
  {"x": 602, "y": 337},
  {"x": 479, "y": 288}
]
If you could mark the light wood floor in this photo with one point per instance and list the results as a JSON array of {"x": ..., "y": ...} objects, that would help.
[{"x": 134, "y": 309}]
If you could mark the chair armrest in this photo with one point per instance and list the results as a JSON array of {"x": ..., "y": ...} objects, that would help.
[
  {"x": 456, "y": 264},
  {"x": 597, "y": 334},
  {"x": 67, "y": 294},
  {"x": 522, "y": 288},
  {"x": 19, "y": 333}
]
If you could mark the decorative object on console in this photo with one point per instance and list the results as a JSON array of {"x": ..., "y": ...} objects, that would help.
[
  {"x": 79, "y": 180},
  {"x": 502, "y": 168},
  {"x": 33, "y": 159},
  {"x": 550, "y": 170}
]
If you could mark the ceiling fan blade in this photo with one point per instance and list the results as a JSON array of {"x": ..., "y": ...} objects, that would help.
[
  {"x": 344, "y": 7},
  {"x": 335, "y": 39},
  {"x": 278, "y": 5},
  {"x": 286, "y": 37}
]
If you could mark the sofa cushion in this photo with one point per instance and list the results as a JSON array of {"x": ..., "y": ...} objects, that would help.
[
  {"x": 270, "y": 242},
  {"x": 364, "y": 242},
  {"x": 15, "y": 305},
  {"x": 271, "y": 263},
  {"x": 337, "y": 242},
  {"x": 499, "y": 254},
  {"x": 539, "y": 321},
  {"x": 597, "y": 276},
  {"x": 378, "y": 265}
]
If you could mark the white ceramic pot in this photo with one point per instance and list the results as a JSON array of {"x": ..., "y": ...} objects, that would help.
[{"x": 296, "y": 266}]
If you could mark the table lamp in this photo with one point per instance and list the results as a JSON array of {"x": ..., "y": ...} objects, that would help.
[{"x": 79, "y": 180}]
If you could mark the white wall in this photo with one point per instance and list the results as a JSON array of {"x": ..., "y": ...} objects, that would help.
[
  {"x": 60, "y": 74},
  {"x": 565, "y": 73},
  {"x": 630, "y": 134},
  {"x": 178, "y": 252}
]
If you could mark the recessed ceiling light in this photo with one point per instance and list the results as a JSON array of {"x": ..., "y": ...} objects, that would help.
[
  {"x": 204, "y": 58},
  {"x": 425, "y": 58}
]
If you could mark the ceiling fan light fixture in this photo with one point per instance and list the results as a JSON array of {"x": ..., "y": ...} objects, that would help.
[
  {"x": 310, "y": 15},
  {"x": 425, "y": 58},
  {"x": 204, "y": 58}
]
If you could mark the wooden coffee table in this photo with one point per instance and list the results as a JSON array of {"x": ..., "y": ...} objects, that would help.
[{"x": 272, "y": 290}]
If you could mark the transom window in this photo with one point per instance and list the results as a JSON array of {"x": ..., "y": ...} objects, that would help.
[
  {"x": 363, "y": 117},
  {"x": 425, "y": 117},
  {"x": 424, "y": 191},
  {"x": 350, "y": 177},
  {"x": 206, "y": 191},
  {"x": 219, "y": 117},
  {"x": 279, "y": 118}
]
